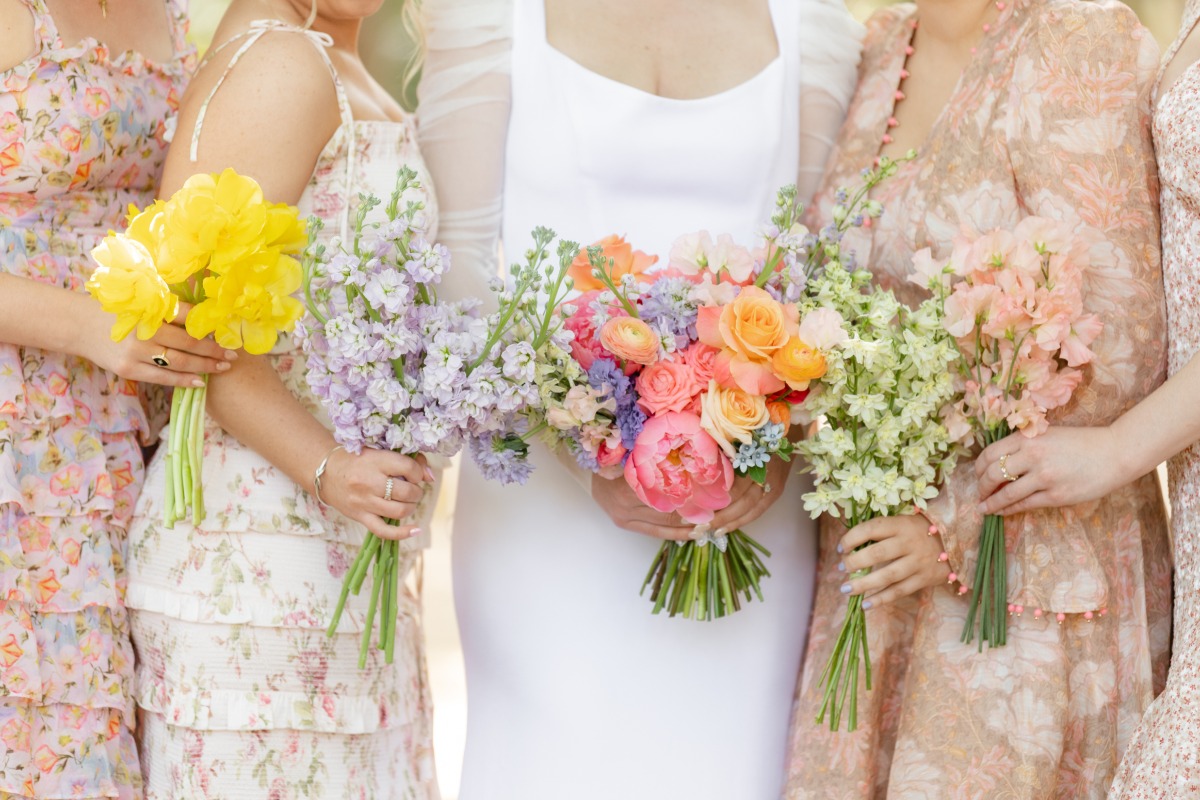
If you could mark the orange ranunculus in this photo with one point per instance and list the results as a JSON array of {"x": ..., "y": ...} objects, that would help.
[
  {"x": 731, "y": 415},
  {"x": 630, "y": 339},
  {"x": 781, "y": 414},
  {"x": 749, "y": 331},
  {"x": 625, "y": 261},
  {"x": 796, "y": 364}
]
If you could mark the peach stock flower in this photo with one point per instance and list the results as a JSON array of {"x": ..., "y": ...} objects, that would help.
[
  {"x": 630, "y": 339},
  {"x": 676, "y": 466},
  {"x": 625, "y": 261},
  {"x": 748, "y": 332}
]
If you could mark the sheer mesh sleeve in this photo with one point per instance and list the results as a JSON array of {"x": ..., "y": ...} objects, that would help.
[
  {"x": 462, "y": 125},
  {"x": 830, "y": 49}
]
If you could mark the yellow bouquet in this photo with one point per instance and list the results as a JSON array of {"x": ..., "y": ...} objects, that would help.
[{"x": 218, "y": 245}]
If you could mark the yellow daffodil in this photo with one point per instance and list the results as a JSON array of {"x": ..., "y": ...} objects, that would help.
[
  {"x": 248, "y": 304},
  {"x": 127, "y": 284}
]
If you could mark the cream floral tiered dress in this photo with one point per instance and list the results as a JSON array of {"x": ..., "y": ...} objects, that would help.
[
  {"x": 243, "y": 694},
  {"x": 83, "y": 133}
]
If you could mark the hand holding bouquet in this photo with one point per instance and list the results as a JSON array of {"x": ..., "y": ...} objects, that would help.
[
  {"x": 398, "y": 370},
  {"x": 218, "y": 245},
  {"x": 1017, "y": 315}
]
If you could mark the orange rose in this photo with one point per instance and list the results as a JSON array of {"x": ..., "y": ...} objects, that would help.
[
  {"x": 731, "y": 415},
  {"x": 630, "y": 339},
  {"x": 781, "y": 414},
  {"x": 796, "y": 364},
  {"x": 624, "y": 261},
  {"x": 749, "y": 331}
]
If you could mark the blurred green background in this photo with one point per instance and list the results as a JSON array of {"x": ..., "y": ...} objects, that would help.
[{"x": 385, "y": 43}]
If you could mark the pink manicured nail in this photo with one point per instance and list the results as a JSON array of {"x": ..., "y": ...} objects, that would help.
[
  {"x": 415, "y": 532},
  {"x": 223, "y": 366},
  {"x": 429, "y": 475},
  {"x": 231, "y": 355},
  {"x": 199, "y": 384}
]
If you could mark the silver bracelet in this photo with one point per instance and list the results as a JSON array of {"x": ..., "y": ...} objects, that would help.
[{"x": 321, "y": 471}]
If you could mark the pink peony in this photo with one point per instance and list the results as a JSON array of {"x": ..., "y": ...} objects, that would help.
[
  {"x": 666, "y": 386},
  {"x": 676, "y": 466},
  {"x": 586, "y": 347}
]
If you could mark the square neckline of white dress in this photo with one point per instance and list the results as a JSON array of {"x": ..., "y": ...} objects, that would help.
[{"x": 773, "y": 65}]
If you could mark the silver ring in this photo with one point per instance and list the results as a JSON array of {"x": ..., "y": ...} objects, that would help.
[
  {"x": 387, "y": 489},
  {"x": 160, "y": 360},
  {"x": 1004, "y": 469}
]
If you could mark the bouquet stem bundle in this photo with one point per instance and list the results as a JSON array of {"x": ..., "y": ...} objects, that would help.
[
  {"x": 839, "y": 678},
  {"x": 988, "y": 615},
  {"x": 384, "y": 556},
  {"x": 185, "y": 456},
  {"x": 705, "y": 580}
]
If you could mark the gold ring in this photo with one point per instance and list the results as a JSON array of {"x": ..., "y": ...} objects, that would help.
[
  {"x": 387, "y": 489},
  {"x": 1004, "y": 469},
  {"x": 160, "y": 360}
]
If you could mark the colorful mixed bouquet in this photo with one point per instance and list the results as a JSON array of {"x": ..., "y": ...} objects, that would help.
[
  {"x": 1017, "y": 314},
  {"x": 399, "y": 370},
  {"x": 218, "y": 245},
  {"x": 679, "y": 380}
]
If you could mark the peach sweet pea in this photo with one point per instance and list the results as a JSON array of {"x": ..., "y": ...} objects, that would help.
[
  {"x": 630, "y": 339},
  {"x": 676, "y": 466},
  {"x": 625, "y": 261},
  {"x": 749, "y": 331},
  {"x": 731, "y": 415}
]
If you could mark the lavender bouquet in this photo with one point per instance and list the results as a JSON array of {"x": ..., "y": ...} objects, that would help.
[{"x": 398, "y": 370}]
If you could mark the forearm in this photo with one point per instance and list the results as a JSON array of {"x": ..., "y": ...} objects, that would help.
[
  {"x": 252, "y": 404},
  {"x": 1162, "y": 425},
  {"x": 33, "y": 314}
]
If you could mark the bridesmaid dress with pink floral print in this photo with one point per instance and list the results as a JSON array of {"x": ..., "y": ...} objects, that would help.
[
  {"x": 83, "y": 133},
  {"x": 1163, "y": 760}
]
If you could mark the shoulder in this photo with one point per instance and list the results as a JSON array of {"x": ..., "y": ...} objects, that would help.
[
  {"x": 282, "y": 71},
  {"x": 1106, "y": 31},
  {"x": 885, "y": 28}
]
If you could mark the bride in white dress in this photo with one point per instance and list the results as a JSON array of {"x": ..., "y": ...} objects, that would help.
[{"x": 575, "y": 690}]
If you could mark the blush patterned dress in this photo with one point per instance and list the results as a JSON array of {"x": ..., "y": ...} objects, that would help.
[
  {"x": 244, "y": 697},
  {"x": 1163, "y": 761},
  {"x": 1052, "y": 118},
  {"x": 83, "y": 133}
]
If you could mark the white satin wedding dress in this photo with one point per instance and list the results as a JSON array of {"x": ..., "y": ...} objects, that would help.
[{"x": 575, "y": 690}]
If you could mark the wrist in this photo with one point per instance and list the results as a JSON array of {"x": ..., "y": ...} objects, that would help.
[{"x": 1129, "y": 456}]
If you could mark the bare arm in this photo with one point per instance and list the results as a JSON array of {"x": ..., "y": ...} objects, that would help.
[{"x": 271, "y": 119}]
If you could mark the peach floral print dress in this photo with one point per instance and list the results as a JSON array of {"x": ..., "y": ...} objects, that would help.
[
  {"x": 83, "y": 133},
  {"x": 1051, "y": 118},
  {"x": 1163, "y": 760}
]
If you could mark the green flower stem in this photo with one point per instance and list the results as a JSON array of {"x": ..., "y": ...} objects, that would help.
[
  {"x": 370, "y": 621},
  {"x": 194, "y": 442},
  {"x": 170, "y": 501},
  {"x": 987, "y": 614},
  {"x": 700, "y": 582},
  {"x": 390, "y": 648}
]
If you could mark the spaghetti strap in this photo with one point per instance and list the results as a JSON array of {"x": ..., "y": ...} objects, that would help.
[{"x": 257, "y": 30}]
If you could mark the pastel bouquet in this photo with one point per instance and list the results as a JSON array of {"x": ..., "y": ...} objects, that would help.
[
  {"x": 218, "y": 245},
  {"x": 397, "y": 369},
  {"x": 679, "y": 380},
  {"x": 883, "y": 448},
  {"x": 1013, "y": 301}
]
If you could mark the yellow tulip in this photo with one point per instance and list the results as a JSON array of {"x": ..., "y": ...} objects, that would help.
[
  {"x": 248, "y": 304},
  {"x": 127, "y": 284}
]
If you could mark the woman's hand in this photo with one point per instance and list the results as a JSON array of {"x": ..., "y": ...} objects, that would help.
[
  {"x": 356, "y": 485},
  {"x": 628, "y": 512},
  {"x": 1062, "y": 467},
  {"x": 749, "y": 500},
  {"x": 904, "y": 559},
  {"x": 187, "y": 359}
]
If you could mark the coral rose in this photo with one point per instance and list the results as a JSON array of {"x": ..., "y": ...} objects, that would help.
[
  {"x": 630, "y": 339},
  {"x": 666, "y": 386},
  {"x": 796, "y": 364},
  {"x": 624, "y": 261},
  {"x": 676, "y": 466},
  {"x": 731, "y": 415}
]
